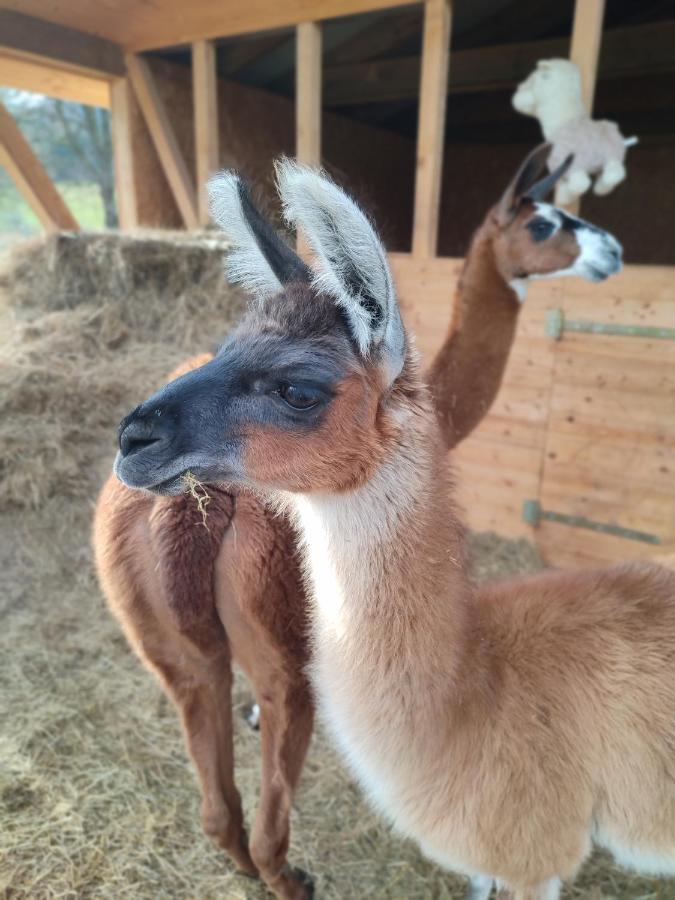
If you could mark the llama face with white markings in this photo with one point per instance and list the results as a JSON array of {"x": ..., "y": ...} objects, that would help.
[{"x": 533, "y": 239}]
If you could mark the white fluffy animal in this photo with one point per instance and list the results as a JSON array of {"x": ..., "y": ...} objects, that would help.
[{"x": 552, "y": 93}]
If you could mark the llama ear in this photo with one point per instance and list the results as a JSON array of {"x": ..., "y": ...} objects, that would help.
[
  {"x": 259, "y": 259},
  {"x": 352, "y": 261},
  {"x": 541, "y": 189},
  {"x": 527, "y": 175}
]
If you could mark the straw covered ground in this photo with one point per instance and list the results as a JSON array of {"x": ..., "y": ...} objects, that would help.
[{"x": 97, "y": 799}]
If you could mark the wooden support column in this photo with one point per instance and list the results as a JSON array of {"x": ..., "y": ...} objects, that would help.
[
  {"x": 308, "y": 101},
  {"x": 308, "y": 94},
  {"x": 205, "y": 105},
  {"x": 31, "y": 178},
  {"x": 120, "y": 125},
  {"x": 585, "y": 51},
  {"x": 164, "y": 138},
  {"x": 431, "y": 127}
]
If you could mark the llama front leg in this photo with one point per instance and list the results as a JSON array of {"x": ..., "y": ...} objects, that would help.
[
  {"x": 204, "y": 702},
  {"x": 286, "y": 719},
  {"x": 199, "y": 682},
  {"x": 612, "y": 174}
]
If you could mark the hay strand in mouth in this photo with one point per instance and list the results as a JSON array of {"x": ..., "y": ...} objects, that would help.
[{"x": 202, "y": 497}]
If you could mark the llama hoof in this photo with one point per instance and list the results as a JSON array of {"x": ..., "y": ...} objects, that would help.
[
  {"x": 252, "y": 716},
  {"x": 305, "y": 879}
]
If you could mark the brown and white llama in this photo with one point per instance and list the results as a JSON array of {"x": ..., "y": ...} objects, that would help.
[
  {"x": 190, "y": 599},
  {"x": 506, "y": 728}
]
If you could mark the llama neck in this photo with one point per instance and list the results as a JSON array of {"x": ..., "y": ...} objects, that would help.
[
  {"x": 555, "y": 115},
  {"x": 467, "y": 371},
  {"x": 395, "y": 639},
  {"x": 387, "y": 562}
]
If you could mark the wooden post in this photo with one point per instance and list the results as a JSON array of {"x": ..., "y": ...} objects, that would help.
[
  {"x": 31, "y": 178},
  {"x": 120, "y": 125},
  {"x": 164, "y": 138},
  {"x": 585, "y": 45},
  {"x": 205, "y": 105},
  {"x": 431, "y": 127},
  {"x": 308, "y": 101},
  {"x": 585, "y": 52},
  {"x": 308, "y": 94}
]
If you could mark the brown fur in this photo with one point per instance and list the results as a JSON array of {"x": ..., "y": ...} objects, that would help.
[
  {"x": 190, "y": 599},
  {"x": 467, "y": 371},
  {"x": 501, "y": 727}
]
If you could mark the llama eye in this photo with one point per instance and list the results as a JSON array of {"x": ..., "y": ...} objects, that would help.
[
  {"x": 298, "y": 397},
  {"x": 540, "y": 229}
]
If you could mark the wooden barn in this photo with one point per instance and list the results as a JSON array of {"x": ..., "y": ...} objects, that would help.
[{"x": 410, "y": 106}]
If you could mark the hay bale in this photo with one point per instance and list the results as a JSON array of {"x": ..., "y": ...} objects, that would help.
[{"x": 95, "y": 323}]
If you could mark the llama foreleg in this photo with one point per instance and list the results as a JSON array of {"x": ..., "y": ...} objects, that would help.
[{"x": 286, "y": 719}]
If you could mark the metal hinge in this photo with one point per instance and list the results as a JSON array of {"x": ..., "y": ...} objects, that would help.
[
  {"x": 533, "y": 514},
  {"x": 556, "y": 325}
]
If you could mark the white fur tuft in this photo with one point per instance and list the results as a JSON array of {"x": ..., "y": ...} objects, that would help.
[
  {"x": 245, "y": 264},
  {"x": 352, "y": 261}
]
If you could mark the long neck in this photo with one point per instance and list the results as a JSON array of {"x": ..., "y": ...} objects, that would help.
[
  {"x": 467, "y": 371},
  {"x": 396, "y": 643},
  {"x": 387, "y": 562}
]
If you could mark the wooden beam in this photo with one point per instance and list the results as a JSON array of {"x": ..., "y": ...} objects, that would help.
[
  {"x": 165, "y": 23},
  {"x": 431, "y": 127},
  {"x": 205, "y": 105},
  {"x": 585, "y": 46},
  {"x": 164, "y": 138},
  {"x": 29, "y": 175},
  {"x": 642, "y": 49},
  {"x": 585, "y": 53},
  {"x": 308, "y": 102},
  {"x": 308, "y": 94},
  {"x": 44, "y": 42},
  {"x": 121, "y": 128},
  {"x": 28, "y": 75}
]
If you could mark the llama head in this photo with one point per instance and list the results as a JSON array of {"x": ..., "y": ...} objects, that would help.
[
  {"x": 553, "y": 81},
  {"x": 533, "y": 239},
  {"x": 298, "y": 396}
]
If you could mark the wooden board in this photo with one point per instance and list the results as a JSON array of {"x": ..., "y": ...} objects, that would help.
[
  {"x": 431, "y": 127},
  {"x": 163, "y": 23},
  {"x": 205, "y": 105},
  {"x": 29, "y": 75},
  {"x": 121, "y": 116},
  {"x": 611, "y": 430},
  {"x": 44, "y": 42},
  {"x": 164, "y": 138}
]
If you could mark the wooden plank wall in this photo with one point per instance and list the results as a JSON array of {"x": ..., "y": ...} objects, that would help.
[{"x": 585, "y": 425}]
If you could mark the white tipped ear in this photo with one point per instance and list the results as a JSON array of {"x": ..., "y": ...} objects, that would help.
[
  {"x": 352, "y": 261},
  {"x": 259, "y": 259}
]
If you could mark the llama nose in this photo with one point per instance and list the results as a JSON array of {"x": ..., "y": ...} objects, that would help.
[{"x": 136, "y": 433}]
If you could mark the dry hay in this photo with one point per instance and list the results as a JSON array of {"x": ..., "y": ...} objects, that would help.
[
  {"x": 98, "y": 321},
  {"x": 97, "y": 799}
]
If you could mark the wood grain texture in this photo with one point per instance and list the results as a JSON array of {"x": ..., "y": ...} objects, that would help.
[
  {"x": 164, "y": 23},
  {"x": 163, "y": 136},
  {"x": 68, "y": 47},
  {"x": 431, "y": 127},
  {"x": 308, "y": 93},
  {"x": 31, "y": 178},
  {"x": 121, "y": 126},
  {"x": 29, "y": 74},
  {"x": 205, "y": 105}
]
